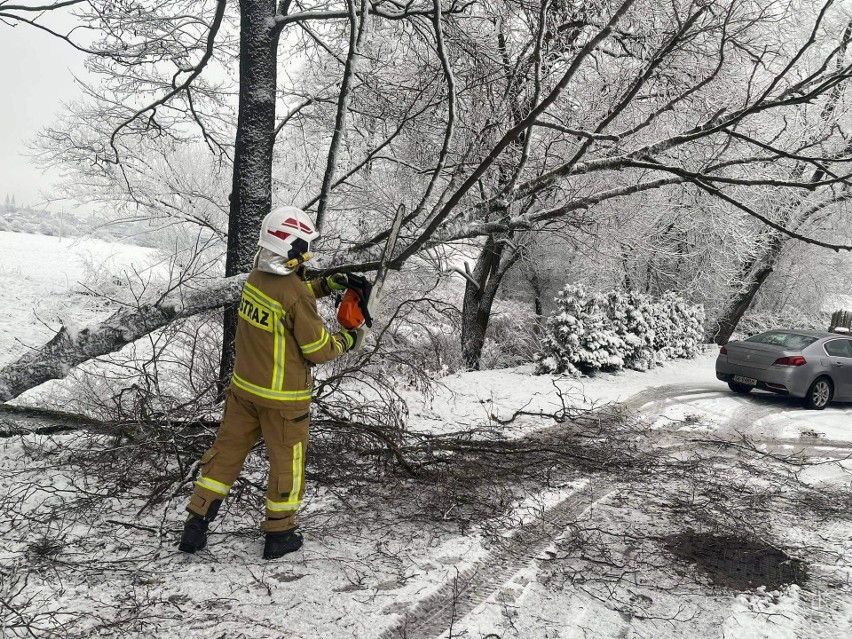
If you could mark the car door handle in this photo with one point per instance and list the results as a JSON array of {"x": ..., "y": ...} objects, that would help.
[{"x": 838, "y": 363}]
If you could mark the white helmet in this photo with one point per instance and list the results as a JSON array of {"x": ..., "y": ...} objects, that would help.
[{"x": 287, "y": 231}]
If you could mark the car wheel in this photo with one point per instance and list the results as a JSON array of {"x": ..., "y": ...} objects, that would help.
[
  {"x": 744, "y": 389},
  {"x": 819, "y": 394}
]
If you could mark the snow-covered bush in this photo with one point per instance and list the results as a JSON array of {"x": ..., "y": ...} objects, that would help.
[
  {"x": 579, "y": 338},
  {"x": 632, "y": 316},
  {"x": 588, "y": 333},
  {"x": 683, "y": 327}
]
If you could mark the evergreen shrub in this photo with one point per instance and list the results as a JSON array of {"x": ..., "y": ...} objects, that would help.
[{"x": 592, "y": 332}]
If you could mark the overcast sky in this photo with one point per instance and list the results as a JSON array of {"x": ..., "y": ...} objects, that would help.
[{"x": 35, "y": 78}]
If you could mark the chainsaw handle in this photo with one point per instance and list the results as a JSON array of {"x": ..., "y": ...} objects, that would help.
[{"x": 363, "y": 300}]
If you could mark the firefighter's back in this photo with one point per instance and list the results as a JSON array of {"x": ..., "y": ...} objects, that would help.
[{"x": 269, "y": 368}]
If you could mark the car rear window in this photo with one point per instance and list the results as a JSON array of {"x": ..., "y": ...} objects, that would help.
[{"x": 793, "y": 341}]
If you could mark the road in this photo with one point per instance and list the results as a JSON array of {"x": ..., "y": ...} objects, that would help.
[{"x": 684, "y": 418}]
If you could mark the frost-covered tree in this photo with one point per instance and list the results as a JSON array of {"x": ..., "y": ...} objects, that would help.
[
  {"x": 519, "y": 120},
  {"x": 160, "y": 67},
  {"x": 674, "y": 109}
]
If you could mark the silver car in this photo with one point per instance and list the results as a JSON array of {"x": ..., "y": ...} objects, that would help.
[{"x": 813, "y": 365}]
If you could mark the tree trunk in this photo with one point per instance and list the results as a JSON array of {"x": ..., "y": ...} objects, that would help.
[
  {"x": 474, "y": 325},
  {"x": 538, "y": 291},
  {"x": 251, "y": 194},
  {"x": 476, "y": 311},
  {"x": 538, "y": 301},
  {"x": 727, "y": 323},
  {"x": 758, "y": 270}
]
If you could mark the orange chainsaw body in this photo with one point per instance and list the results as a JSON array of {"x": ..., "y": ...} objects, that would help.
[{"x": 349, "y": 314}]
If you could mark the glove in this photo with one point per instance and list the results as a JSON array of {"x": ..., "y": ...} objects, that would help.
[
  {"x": 343, "y": 281},
  {"x": 337, "y": 282},
  {"x": 354, "y": 339}
]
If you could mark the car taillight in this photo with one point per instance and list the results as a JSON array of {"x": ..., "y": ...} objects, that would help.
[
  {"x": 796, "y": 360},
  {"x": 723, "y": 351}
]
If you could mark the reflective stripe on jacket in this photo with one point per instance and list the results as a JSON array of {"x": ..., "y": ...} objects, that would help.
[{"x": 279, "y": 336}]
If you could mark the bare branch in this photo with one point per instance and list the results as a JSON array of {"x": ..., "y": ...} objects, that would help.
[
  {"x": 355, "y": 26},
  {"x": 196, "y": 71},
  {"x": 290, "y": 115},
  {"x": 704, "y": 177},
  {"x": 282, "y": 19},
  {"x": 579, "y": 133},
  {"x": 373, "y": 154},
  {"x": 709, "y": 188},
  {"x": 512, "y": 134},
  {"x": 810, "y": 42},
  {"x": 529, "y": 222},
  {"x": 440, "y": 49},
  {"x": 64, "y": 37},
  {"x": 642, "y": 79},
  {"x": 527, "y": 135},
  {"x": 5, "y": 6}
]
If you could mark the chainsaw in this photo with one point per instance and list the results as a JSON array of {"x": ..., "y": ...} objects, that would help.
[{"x": 362, "y": 297}]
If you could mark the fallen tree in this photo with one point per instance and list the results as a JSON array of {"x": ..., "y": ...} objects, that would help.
[
  {"x": 71, "y": 347},
  {"x": 68, "y": 348}
]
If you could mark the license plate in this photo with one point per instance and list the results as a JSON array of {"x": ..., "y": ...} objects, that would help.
[{"x": 750, "y": 381}]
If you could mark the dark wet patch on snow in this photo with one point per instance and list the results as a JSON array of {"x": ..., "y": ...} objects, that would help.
[{"x": 738, "y": 563}]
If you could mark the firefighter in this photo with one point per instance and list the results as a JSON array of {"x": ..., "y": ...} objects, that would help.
[{"x": 280, "y": 336}]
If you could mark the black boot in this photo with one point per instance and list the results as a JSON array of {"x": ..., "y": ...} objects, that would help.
[
  {"x": 194, "y": 534},
  {"x": 279, "y": 544}
]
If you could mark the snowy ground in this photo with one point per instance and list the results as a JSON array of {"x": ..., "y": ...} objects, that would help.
[
  {"x": 582, "y": 555},
  {"x": 683, "y": 392}
]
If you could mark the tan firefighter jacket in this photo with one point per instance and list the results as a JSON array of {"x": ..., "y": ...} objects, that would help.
[{"x": 280, "y": 336}]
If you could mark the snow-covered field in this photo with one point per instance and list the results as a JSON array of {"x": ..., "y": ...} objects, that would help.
[
  {"x": 44, "y": 283},
  {"x": 583, "y": 554}
]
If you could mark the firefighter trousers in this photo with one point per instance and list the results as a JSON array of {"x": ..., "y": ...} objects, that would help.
[{"x": 286, "y": 438}]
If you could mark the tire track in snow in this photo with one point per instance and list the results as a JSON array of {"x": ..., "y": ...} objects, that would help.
[
  {"x": 754, "y": 409},
  {"x": 653, "y": 402},
  {"x": 473, "y": 585}
]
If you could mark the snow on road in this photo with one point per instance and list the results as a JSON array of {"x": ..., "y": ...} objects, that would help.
[
  {"x": 682, "y": 401},
  {"x": 468, "y": 399}
]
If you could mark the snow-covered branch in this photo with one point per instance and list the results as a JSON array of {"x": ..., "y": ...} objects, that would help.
[
  {"x": 356, "y": 27},
  {"x": 194, "y": 72},
  {"x": 317, "y": 15}
]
